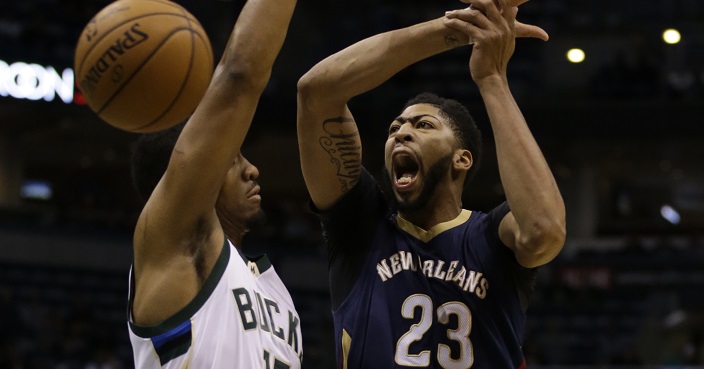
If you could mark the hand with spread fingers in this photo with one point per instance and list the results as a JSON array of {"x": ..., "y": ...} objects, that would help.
[
  {"x": 402, "y": 249},
  {"x": 522, "y": 29},
  {"x": 492, "y": 28}
]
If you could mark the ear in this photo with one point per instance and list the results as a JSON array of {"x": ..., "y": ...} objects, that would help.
[{"x": 462, "y": 160}]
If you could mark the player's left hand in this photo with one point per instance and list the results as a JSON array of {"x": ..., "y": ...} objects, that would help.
[
  {"x": 522, "y": 29},
  {"x": 511, "y": 2},
  {"x": 492, "y": 26}
]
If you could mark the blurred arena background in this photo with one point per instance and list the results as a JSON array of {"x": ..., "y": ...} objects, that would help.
[{"x": 622, "y": 131}]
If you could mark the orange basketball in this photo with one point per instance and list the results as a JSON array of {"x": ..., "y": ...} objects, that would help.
[{"x": 143, "y": 65}]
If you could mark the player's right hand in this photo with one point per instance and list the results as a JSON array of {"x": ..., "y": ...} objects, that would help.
[
  {"x": 522, "y": 29},
  {"x": 512, "y": 2}
]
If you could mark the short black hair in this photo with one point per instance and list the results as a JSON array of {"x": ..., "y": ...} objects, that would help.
[
  {"x": 466, "y": 130},
  {"x": 150, "y": 158}
]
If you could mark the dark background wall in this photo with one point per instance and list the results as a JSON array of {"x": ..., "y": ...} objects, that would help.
[{"x": 622, "y": 132}]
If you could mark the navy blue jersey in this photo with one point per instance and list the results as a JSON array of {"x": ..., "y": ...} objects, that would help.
[{"x": 450, "y": 297}]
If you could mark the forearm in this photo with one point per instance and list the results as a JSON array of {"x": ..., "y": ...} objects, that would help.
[
  {"x": 531, "y": 190},
  {"x": 256, "y": 39},
  {"x": 215, "y": 132},
  {"x": 370, "y": 62}
]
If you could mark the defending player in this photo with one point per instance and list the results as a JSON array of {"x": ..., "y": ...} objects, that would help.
[
  {"x": 195, "y": 300},
  {"x": 419, "y": 281}
]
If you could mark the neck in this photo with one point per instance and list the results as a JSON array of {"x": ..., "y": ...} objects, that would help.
[
  {"x": 439, "y": 210},
  {"x": 234, "y": 233}
]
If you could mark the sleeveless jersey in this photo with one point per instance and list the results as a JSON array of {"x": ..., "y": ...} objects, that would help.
[
  {"x": 243, "y": 317},
  {"x": 450, "y": 297}
]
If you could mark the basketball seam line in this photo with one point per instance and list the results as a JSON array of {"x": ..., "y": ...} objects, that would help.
[
  {"x": 107, "y": 32},
  {"x": 181, "y": 8},
  {"x": 167, "y": 3},
  {"x": 119, "y": 89},
  {"x": 183, "y": 84}
]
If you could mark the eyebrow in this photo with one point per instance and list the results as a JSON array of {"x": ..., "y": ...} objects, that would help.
[{"x": 413, "y": 119}]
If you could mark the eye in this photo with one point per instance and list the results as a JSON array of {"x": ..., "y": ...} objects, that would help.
[
  {"x": 424, "y": 124},
  {"x": 393, "y": 129}
]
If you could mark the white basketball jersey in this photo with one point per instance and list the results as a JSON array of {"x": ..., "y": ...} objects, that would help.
[{"x": 243, "y": 317}]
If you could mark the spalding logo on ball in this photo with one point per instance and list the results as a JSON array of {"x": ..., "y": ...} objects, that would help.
[{"x": 143, "y": 65}]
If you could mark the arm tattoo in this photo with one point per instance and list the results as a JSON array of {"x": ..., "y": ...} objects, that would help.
[
  {"x": 344, "y": 150},
  {"x": 451, "y": 40}
]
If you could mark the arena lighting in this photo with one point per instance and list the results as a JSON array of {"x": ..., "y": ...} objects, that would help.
[
  {"x": 35, "y": 82},
  {"x": 575, "y": 55},
  {"x": 36, "y": 190},
  {"x": 671, "y": 36},
  {"x": 670, "y": 214}
]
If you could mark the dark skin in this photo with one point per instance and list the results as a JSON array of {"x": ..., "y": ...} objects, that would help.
[
  {"x": 535, "y": 228},
  {"x": 208, "y": 192}
]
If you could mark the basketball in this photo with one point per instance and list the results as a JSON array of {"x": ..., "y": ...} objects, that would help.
[{"x": 143, "y": 65}]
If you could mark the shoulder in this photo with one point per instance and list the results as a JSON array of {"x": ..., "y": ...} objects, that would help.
[{"x": 366, "y": 197}]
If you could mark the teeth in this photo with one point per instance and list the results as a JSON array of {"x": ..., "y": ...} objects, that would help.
[{"x": 404, "y": 180}]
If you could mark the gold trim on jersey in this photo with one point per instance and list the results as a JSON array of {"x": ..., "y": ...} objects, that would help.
[
  {"x": 346, "y": 343},
  {"x": 253, "y": 268},
  {"x": 428, "y": 235}
]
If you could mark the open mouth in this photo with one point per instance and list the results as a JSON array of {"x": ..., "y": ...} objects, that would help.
[{"x": 405, "y": 170}]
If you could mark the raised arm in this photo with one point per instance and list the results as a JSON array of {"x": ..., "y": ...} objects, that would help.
[
  {"x": 328, "y": 139},
  {"x": 535, "y": 227},
  {"x": 178, "y": 228}
]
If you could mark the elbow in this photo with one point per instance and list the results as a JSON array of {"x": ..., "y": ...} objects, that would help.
[
  {"x": 309, "y": 88},
  {"x": 543, "y": 243},
  {"x": 318, "y": 90},
  {"x": 243, "y": 75}
]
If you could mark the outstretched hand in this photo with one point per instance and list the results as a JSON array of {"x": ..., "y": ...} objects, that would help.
[
  {"x": 529, "y": 30},
  {"x": 491, "y": 25},
  {"x": 522, "y": 29}
]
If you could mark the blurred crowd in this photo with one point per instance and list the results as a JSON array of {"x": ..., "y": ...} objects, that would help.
[
  {"x": 597, "y": 305},
  {"x": 636, "y": 303},
  {"x": 46, "y": 32}
]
